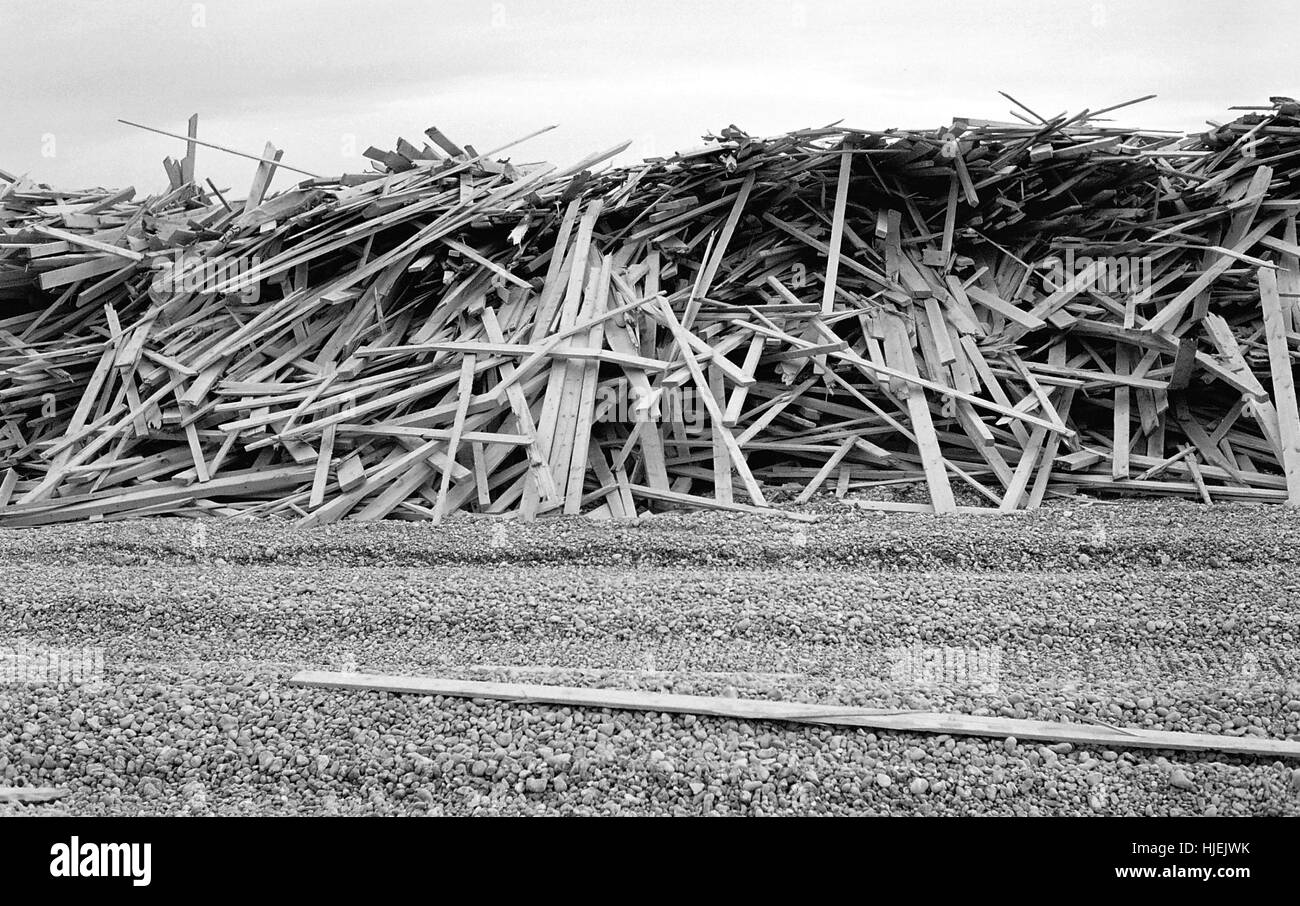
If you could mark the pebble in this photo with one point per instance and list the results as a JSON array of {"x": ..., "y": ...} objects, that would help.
[
  {"x": 1178, "y": 779},
  {"x": 197, "y": 674}
]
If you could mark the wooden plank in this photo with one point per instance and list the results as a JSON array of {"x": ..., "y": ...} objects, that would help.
[
  {"x": 324, "y": 459},
  {"x": 736, "y": 403},
  {"x": 481, "y": 486},
  {"x": 825, "y": 471},
  {"x": 939, "y": 330},
  {"x": 1288, "y": 279},
  {"x": 1123, "y": 419},
  {"x": 87, "y": 242},
  {"x": 7, "y": 485},
  {"x": 1005, "y": 309},
  {"x": 1280, "y": 366},
  {"x": 900, "y": 721},
  {"x": 874, "y": 370},
  {"x": 28, "y": 794},
  {"x": 538, "y": 468},
  {"x": 262, "y": 177},
  {"x": 950, "y": 220},
  {"x": 1175, "y": 307},
  {"x": 234, "y": 484},
  {"x": 586, "y": 399},
  {"x": 898, "y": 353},
  {"x": 1198, "y": 480},
  {"x": 356, "y": 341},
  {"x": 74, "y": 273},
  {"x": 721, "y": 461},
  {"x": 464, "y": 392},
  {"x": 196, "y": 451},
  {"x": 549, "y": 428},
  {"x": 710, "y": 271},
  {"x": 837, "y": 228},
  {"x": 1024, "y": 471},
  {"x": 715, "y": 412},
  {"x": 350, "y": 472},
  {"x": 1049, "y": 460},
  {"x": 191, "y": 149}
]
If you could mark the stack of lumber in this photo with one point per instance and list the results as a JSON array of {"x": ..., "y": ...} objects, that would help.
[{"x": 845, "y": 308}]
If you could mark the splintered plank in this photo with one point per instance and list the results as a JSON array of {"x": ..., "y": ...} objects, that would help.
[{"x": 899, "y": 721}]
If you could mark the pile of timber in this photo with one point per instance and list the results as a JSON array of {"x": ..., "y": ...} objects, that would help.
[{"x": 996, "y": 311}]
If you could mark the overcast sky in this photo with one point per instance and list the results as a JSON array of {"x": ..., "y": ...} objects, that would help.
[{"x": 325, "y": 79}]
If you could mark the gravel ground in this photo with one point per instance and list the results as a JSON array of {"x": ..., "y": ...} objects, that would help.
[{"x": 1163, "y": 615}]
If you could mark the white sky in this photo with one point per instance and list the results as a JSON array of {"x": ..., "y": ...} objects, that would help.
[{"x": 323, "y": 80}]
